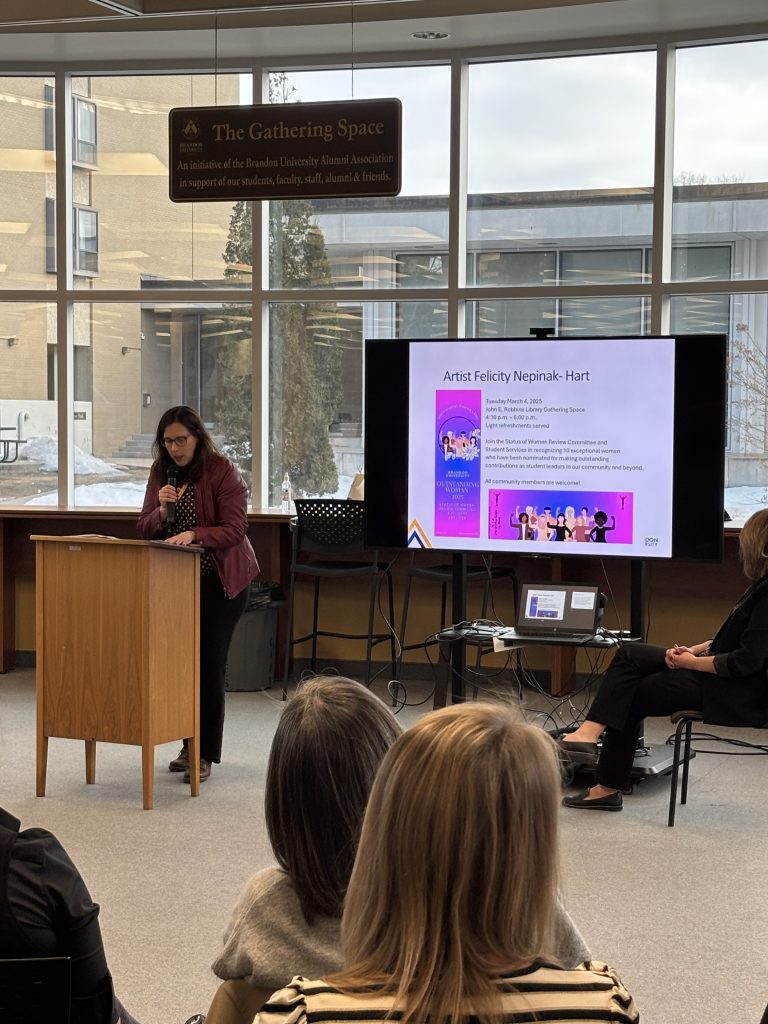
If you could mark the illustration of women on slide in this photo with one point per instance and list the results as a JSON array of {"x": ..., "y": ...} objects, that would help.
[
  {"x": 582, "y": 528},
  {"x": 570, "y": 519},
  {"x": 545, "y": 524},
  {"x": 471, "y": 451},
  {"x": 522, "y": 522},
  {"x": 599, "y": 530},
  {"x": 561, "y": 528}
]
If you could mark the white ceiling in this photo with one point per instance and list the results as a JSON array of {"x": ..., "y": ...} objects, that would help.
[{"x": 86, "y": 31}]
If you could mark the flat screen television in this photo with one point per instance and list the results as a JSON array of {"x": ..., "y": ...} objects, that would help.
[{"x": 566, "y": 446}]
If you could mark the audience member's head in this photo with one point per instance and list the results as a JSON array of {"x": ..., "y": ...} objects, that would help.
[
  {"x": 329, "y": 743},
  {"x": 456, "y": 875},
  {"x": 753, "y": 545}
]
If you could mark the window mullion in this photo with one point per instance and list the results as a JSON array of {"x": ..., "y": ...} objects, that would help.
[{"x": 64, "y": 282}]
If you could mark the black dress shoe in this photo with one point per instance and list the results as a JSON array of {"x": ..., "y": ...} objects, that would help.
[
  {"x": 612, "y": 802},
  {"x": 579, "y": 753}
]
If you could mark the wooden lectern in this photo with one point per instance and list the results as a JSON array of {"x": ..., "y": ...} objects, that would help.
[{"x": 118, "y": 648}]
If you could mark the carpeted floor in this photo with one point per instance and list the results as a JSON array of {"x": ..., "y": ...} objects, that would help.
[{"x": 681, "y": 913}]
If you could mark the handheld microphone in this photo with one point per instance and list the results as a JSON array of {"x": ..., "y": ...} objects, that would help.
[{"x": 170, "y": 508}]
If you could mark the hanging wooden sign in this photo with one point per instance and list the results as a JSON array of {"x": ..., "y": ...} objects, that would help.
[{"x": 286, "y": 151}]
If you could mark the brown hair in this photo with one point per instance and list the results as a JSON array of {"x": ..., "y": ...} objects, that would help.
[
  {"x": 187, "y": 417},
  {"x": 753, "y": 545},
  {"x": 329, "y": 743},
  {"x": 457, "y": 867}
]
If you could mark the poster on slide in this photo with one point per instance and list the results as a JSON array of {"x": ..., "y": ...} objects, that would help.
[{"x": 516, "y": 444}]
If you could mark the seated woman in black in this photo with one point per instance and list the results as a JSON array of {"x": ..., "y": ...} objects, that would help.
[
  {"x": 725, "y": 678},
  {"x": 46, "y": 910}
]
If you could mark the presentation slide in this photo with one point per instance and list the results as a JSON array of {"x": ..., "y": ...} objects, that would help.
[
  {"x": 557, "y": 441},
  {"x": 545, "y": 604}
]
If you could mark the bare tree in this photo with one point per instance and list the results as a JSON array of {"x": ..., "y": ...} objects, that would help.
[{"x": 748, "y": 386}]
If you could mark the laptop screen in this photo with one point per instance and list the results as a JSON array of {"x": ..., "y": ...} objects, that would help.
[{"x": 558, "y": 608}]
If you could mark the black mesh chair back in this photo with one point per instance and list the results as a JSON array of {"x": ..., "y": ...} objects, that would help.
[
  {"x": 35, "y": 991},
  {"x": 331, "y": 532},
  {"x": 329, "y": 526}
]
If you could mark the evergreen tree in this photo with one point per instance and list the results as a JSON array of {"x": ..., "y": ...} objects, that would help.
[{"x": 305, "y": 358}]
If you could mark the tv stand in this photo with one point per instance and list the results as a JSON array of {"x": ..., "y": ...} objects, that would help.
[
  {"x": 458, "y": 654},
  {"x": 453, "y": 641}
]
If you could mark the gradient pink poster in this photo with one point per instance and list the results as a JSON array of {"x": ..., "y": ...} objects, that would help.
[{"x": 458, "y": 456}]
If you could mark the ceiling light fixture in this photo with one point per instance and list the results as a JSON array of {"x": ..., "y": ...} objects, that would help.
[
  {"x": 430, "y": 35},
  {"x": 131, "y": 7}
]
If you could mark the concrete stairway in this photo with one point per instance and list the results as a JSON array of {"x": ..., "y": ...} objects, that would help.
[{"x": 138, "y": 446}]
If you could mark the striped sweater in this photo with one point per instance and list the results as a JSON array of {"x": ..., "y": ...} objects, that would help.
[{"x": 588, "y": 994}]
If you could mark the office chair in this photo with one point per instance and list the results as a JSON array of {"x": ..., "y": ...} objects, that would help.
[
  {"x": 35, "y": 991},
  {"x": 330, "y": 531}
]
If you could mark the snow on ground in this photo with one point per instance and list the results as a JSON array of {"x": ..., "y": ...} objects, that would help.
[
  {"x": 97, "y": 495},
  {"x": 130, "y": 495},
  {"x": 45, "y": 451},
  {"x": 741, "y": 502}
]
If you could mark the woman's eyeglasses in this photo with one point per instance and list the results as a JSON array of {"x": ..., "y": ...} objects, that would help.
[{"x": 176, "y": 442}]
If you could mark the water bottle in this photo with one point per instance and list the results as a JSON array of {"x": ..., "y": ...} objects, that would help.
[{"x": 286, "y": 494}]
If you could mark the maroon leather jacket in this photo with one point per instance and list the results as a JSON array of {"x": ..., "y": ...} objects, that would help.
[{"x": 221, "y": 502}]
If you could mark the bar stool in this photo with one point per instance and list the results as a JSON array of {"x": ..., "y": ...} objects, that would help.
[
  {"x": 443, "y": 574},
  {"x": 330, "y": 531}
]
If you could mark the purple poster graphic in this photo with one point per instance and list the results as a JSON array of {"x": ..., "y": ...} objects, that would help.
[
  {"x": 554, "y": 516},
  {"x": 457, "y": 463}
]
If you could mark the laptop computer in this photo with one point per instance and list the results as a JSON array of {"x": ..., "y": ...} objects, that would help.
[{"x": 558, "y": 610}]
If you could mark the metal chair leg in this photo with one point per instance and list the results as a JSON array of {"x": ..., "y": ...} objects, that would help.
[
  {"x": 403, "y": 625},
  {"x": 289, "y": 635},
  {"x": 483, "y": 615},
  {"x": 313, "y": 662},
  {"x": 371, "y": 614},
  {"x": 392, "y": 643},
  {"x": 686, "y": 760},
  {"x": 675, "y": 772}
]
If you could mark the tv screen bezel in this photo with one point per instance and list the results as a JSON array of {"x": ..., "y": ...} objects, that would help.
[{"x": 698, "y": 444}]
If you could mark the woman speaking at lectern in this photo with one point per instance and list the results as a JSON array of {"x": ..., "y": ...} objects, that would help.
[
  {"x": 725, "y": 678},
  {"x": 196, "y": 496}
]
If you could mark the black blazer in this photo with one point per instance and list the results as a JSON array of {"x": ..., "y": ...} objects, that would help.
[{"x": 738, "y": 693}]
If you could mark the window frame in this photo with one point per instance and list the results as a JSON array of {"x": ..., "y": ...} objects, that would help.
[
  {"x": 49, "y": 127},
  {"x": 79, "y": 252}
]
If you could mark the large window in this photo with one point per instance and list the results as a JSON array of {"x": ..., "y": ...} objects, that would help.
[
  {"x": 573, "y": 164},
  {"x": 720, "y": 157},
  {"x": 28, "y": 407},
  {"x": 316, "y": 385},
  {"x": 556, "y": 227},
  {"x": 144, "y": 358},
  {"x": 362, "y": 236},
  {"x": 26, "y": 177},
  {"x": 145, "y": 239}
]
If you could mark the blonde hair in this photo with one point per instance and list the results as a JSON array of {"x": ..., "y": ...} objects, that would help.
[
  {"x": 753, "y": 545},
  {"x": 457, "y": 867}
]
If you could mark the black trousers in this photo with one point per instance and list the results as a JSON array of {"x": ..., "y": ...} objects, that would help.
[
  {"x": 218, "y": 618},
  {"x": 637, "y": 683}
]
